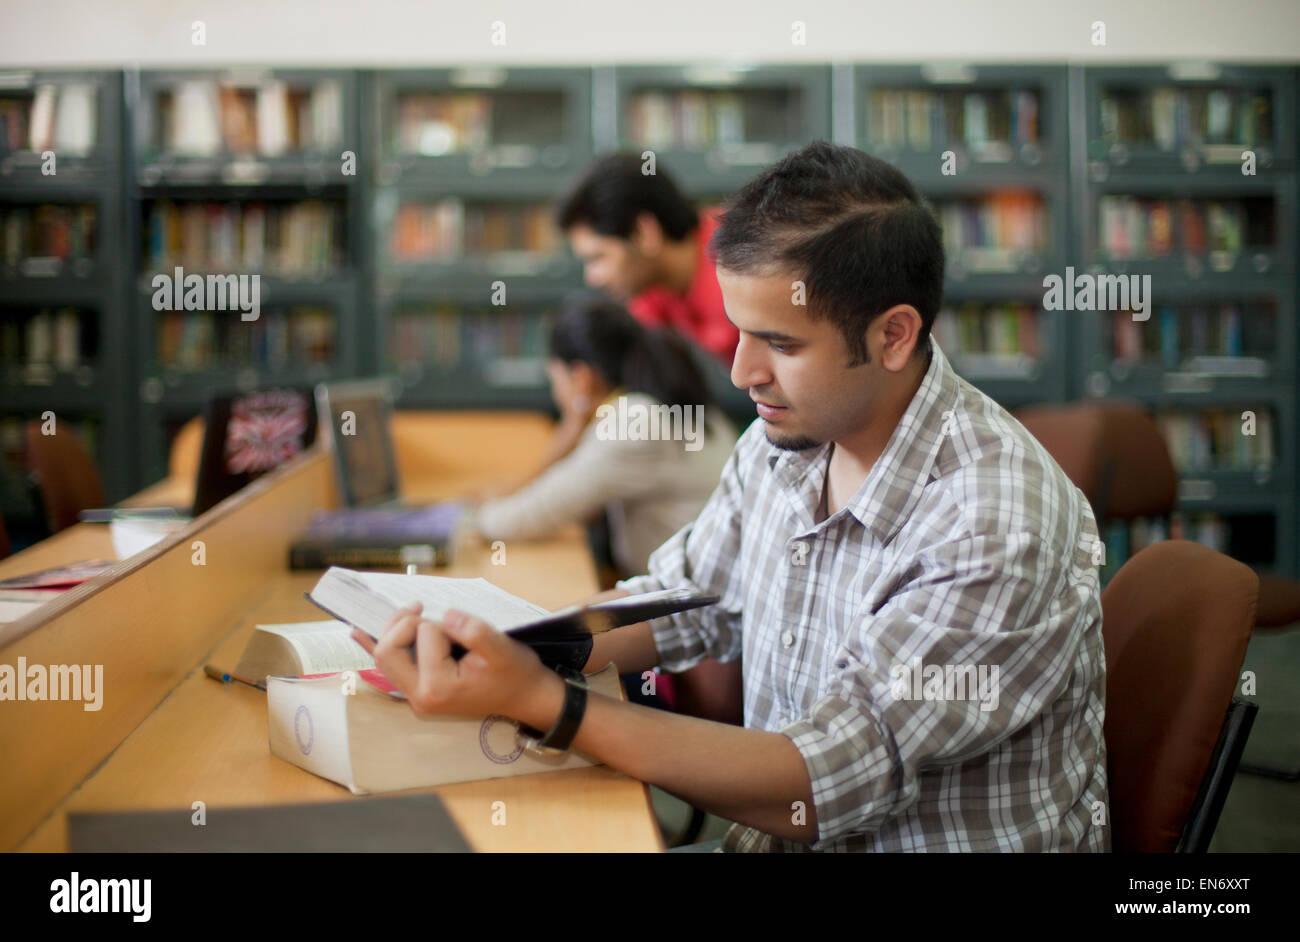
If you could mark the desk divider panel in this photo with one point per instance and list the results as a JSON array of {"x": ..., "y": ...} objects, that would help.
[{"x": 147, "y": 625}]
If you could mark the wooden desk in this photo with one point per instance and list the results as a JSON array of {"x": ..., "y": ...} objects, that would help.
[{"x": 174, "y": 736}]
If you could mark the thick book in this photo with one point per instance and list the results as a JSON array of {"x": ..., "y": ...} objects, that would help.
[
  {"x": 355, "y": 729},
  {"x": 377, "y": 538},
  {"x": 368, "y": 601},
  {"x": 313, "y": 647}
]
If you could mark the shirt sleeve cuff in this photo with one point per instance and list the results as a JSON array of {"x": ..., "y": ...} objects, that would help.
[{"x": 848, "y": 786}]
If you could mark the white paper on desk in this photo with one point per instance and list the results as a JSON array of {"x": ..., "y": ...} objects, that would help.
[{"x": 135, "y": 536}]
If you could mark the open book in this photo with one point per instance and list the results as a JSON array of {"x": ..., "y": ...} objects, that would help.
[{"x": 368, "y": 600}]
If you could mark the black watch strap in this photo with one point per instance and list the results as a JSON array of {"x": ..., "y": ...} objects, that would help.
[{"x": 561, "y": 735}]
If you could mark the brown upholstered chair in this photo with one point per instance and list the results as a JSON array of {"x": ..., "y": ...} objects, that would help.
[
  {"x": 1113, "y": 451},
  {"x": 66, "y": 477},
  {"x": 1176, "y": 620}
]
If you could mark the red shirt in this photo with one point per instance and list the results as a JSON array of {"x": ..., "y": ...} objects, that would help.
[{"x": 698, "y": 315}]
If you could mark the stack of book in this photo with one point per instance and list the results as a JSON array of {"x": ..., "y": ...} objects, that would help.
[
  {"x": 1131, "y": 227},
  {"x": 991, "y": 123},
  {"x": 205, "y": 118},
  {"x": 988, "y": 233},
  {"x": 441, "y": 335},
  {"x": 62, "y": 337},
  {"x": 279, "y": 339},
  {"x": 34, "y": 236},
  {"x": 1218, "y": 439},
  {"x": 1171, "y": 118},
  {"x": 61, "y": 118},
  {"x": 995, "y": 337},
  {"x": 449, "y": 229},
  {"x": 291, "y": 239}
]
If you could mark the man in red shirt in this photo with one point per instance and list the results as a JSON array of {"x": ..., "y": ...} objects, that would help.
[{"x": 642, "y": 242}]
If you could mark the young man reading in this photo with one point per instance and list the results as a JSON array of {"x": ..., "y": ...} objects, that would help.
[{"x": 907, "y": 573}]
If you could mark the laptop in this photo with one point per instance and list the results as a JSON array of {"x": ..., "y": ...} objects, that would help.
[
  {"x": 357, "y": 415},
  {"x": 246, "y": 434},
  {"x": 376, "y": 529}
]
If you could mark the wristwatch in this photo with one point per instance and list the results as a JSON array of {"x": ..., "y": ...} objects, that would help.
[{"x": 557, "y": 741}]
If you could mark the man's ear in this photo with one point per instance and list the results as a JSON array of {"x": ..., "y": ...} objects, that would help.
[
  {"x": 647, "y": 236},
  {"x": 902, "y": 328}
]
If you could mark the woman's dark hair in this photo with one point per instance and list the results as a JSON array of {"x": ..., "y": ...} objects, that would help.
[
  {"x": 601, "y": 333},
  {"x": 851, "y": 226},
  {"x": 615, "y": 190}
]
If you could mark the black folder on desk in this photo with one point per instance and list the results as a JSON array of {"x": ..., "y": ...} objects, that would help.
[{"x": 409, "y": 824}]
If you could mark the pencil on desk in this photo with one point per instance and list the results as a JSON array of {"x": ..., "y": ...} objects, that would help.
[{"x": 216, "y": 673}]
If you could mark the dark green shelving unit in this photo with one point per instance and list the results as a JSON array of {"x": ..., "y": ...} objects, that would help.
[
  {"x": 171, "y": 393},
  {"x": 930, "y": 119},
  {"x": 494, "y": 144},
  {"x": 491, "y": 139},
  {"x": 94, "y": 390},
  {"x": 1176, "y": 134}
]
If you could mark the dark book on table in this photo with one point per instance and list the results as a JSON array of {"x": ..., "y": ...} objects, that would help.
[
  {"x": 377, "y": 538},
  {"x": 410, "y": 824}
]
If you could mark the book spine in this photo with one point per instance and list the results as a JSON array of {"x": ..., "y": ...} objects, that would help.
[{"x": 314, "y": 556}]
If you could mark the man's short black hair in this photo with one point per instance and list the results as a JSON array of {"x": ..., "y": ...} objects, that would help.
[
  {"x": 851, "y": 226},
  {"x": 613, "y": 192}
]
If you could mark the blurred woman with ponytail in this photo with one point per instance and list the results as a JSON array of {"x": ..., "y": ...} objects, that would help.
[{"x": 650, "y": 487}]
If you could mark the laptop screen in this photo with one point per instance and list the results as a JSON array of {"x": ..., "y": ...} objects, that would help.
[
  {"x": 247, "y": 434},
  {"x": 358, "y": 414}
]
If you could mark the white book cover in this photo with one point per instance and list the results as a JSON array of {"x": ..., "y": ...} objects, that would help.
[
  {"x": 74, "y": 120},
  {"x": 40, "y": 124},
  {"x": 273, "y": 119},
  {"x": 196, "y": 121}
]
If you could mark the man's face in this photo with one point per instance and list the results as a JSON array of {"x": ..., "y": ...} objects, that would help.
[
  {"x": 617, "y": 266},
  {"x": 795, "y": 368}
]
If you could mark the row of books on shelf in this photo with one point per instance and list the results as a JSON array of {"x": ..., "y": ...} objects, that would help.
[
  {"x": 291, "y": 337},
  {"x": 1123, "y": 538},
  {"x": 1174, "y": 117},
  {"x": 287, "y": 238},
  {"x": 1219, "y": 439},
  {"x": 996, "y": 331},
  {"x": 439, "y": 123},
  {"x": 64, "y": 337},
  {"x": 694, "y": 119},
  {"x": 207, "y": 118},
  {"x": 1131, "y": 227},
  {"x": 1212, "y": 339},
  {"x": 449, "y": 229},
  {"x": 445, "y": 335},
  {"x": 60, "y": 117},
  {"x": 47, "y": 231},
  {"x": 991, "y": 123},
  {"x": 1002, "y": 222}
]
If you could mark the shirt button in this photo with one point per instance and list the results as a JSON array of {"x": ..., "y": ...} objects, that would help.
[{"x": 787, "y": 639}]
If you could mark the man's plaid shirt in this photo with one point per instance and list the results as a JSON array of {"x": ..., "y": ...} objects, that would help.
[{"x": 966, "y": 546}]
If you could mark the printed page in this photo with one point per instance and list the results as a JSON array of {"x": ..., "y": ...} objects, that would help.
[
  {"x": 323, "y": 646},
  {"x": 478, "y": 597}
]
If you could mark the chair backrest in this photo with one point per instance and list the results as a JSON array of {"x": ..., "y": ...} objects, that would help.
[
  {"x": 1176, "y": 620},
  {"x": 66, "y": 476},
  {"x": 1113, "y": 451}
]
